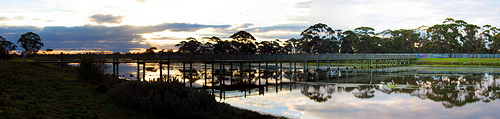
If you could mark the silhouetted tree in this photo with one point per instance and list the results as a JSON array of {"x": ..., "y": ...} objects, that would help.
[
  {"x": 270, "y": 47},
  {"x": 190, "y": 47},
  {"x": 293, "y": 46},
  {"x": 243, "y": 36},
  {"x": 6, "y": 46},
  {"x": 31, "y": 42},
  {"x": 242, "y": 42}
]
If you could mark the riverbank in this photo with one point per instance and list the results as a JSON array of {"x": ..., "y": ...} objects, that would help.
[
  {"x": 457, "y": 62},
  {"x": 29, "y": 90}
]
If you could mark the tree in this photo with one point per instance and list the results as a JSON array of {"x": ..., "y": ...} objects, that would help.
[
  {"x": 319, "y": 38},
  {"x": 190, "y": 47},
  {"x": 243, "y": 36},
  {"x": 6, "y": 46},
  {"x": 271, "y": 47},
  {"x": 293, "y": 46},
  {"x": 31, "y": 42},
  {"x": 347, "y": 40},
  {"x": 364, "y": 42},
  {"x": 242, "y": 42},
  {"x": 446, "y": 34},
  {"x": 492, "y": 35}
]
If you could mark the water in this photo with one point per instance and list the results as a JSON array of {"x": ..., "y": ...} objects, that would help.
[{"x": 396, "y": 92}]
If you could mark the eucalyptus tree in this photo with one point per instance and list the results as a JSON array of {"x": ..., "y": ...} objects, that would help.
[
  {"x": 31, "y": 42},
  {"x": 293, "y": 46},
  {"x": 423, "y": 43},
  {"x": 319, "y": 38},
  {"x": 270, "y": 47},
  {"x": 446, "y": 34},
  {"x": 243, "y": 42},
  {"x": 471, "y": 42},
  {"x": 401, "y": 40},
  {"x": 192, "y": 46},
  {"x": 6, "y": 46},
  {"x": 364, "y": 42},
  {"x": 243, "y": 36},
  {"x": 347, "y": 39},
  {"x": 219, "y": 46},
  {"x": 492, "y": 35}
]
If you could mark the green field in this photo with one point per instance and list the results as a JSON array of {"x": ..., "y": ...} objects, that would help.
[{"x": 458, "y": 61}]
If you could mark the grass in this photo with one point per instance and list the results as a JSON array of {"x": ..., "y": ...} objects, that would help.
[
  {"x": 45, "y": 91},
  {"x": 29, "y": 90},
  {"x": 458, "y": 61}
]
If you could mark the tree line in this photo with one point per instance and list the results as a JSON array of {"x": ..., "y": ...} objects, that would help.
[
  {"x": 451, "y": 36},
  {"x": 30, "y": 41}
]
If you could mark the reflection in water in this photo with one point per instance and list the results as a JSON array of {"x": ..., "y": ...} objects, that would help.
[
  {"x": 380, "y": 93},
  {"x": 449, "y": 90}
]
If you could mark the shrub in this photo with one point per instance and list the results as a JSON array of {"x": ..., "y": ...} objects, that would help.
[
  {"x": 91, "y": 70},
  {"x": 171, "y": 100},
  {"x": 102, "y": 88}
]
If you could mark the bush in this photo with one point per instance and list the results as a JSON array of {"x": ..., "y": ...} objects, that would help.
[
  {"x": 91, "y": 70},
  {"x": 171, "y": 100},
  {"x": 102, "y": 88}
]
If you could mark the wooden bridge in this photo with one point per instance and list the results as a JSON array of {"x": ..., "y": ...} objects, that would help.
[{"x": 357, "y": 60}]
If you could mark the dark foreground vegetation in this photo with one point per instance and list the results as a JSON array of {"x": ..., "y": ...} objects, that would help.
[{"x": 30, "y": 90}]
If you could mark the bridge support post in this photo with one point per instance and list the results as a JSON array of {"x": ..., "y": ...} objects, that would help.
[
  {"x": 231, "y": 73},
  {"x": 117, "y": 67},
  {"x": 371, "y": 60},
  {"x": 346, "y": 61},
  {"x": 168, "y": 67},
  {"x": 213, "y": 72},
  {"x": 161, "y": 67},
  {"x": 113, "y": 63},
  {"x": 317, "y": 62},
  {"x": 144, "y": 67},
  {"x": 138, "y": 74},
  {"x": 355, "y": 57},
  {"x": 327, "y": 62},
  {"x": 362, "y": 60},
  {"x": 266, "y": 73},
  {"x": 205, "y": 74},
  {"x": 338, "y": 62}
]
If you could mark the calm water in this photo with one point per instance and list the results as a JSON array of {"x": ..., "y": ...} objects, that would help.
[{"x": 398, "y": 92}]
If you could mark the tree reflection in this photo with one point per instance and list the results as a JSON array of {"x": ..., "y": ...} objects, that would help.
[
  {"x": 364, "y": 92},
  {"x": 318, "y": 93}
]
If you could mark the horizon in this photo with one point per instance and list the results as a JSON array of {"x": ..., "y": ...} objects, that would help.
[{"x": 136, "y": 25}]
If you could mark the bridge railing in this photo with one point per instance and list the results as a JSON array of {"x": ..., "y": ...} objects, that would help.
[{"x": 67, "y": 58}]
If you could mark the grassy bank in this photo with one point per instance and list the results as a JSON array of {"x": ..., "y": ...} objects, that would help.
[
  {"x": 458, "y": 61},
  {"x": 29, "y": 90},
  {"x": 46, "y": 91}
]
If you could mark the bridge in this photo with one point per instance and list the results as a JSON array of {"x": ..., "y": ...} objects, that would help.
[{"x": 353, "y": 61}]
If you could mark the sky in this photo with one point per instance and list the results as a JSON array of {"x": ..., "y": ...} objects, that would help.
[{"x": 135, "y": 25}]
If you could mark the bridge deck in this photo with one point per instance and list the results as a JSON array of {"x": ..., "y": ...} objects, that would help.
[{"x": 166, "y": 58}]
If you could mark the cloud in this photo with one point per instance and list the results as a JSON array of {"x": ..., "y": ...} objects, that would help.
[
  {"x": 280, "y": 27},
  {"x": 4, "y": 19},
  {"x": 143, "y": 1},
  {"x": 97, "y": 37},
  {"x": 306, "y": 4},
  {"x": 106, "y": 18},
  {"x": 19, "y": 18}
]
